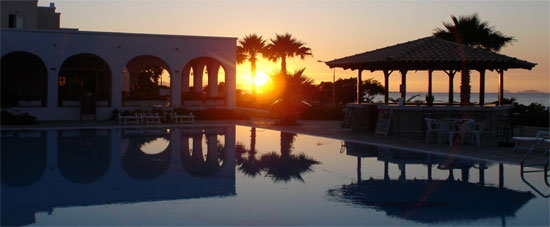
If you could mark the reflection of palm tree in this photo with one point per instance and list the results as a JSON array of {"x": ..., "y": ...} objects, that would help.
[
  {"x": 250, "y": 165},
  {"x": 247, "y": 50},
  {"x": 284, "y": 46},
  {"x": 469, "y": 30},
  {"x": 286, "y": 166}
]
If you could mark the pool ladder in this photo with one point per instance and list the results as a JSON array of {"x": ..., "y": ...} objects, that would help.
[{"x": 545, "y": 170}]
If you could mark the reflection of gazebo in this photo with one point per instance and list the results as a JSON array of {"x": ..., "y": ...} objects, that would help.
[
  {"x": 431, "y": 54},
  {"x": 428, "y": 200},
  {"x": 435, "y": 201}
]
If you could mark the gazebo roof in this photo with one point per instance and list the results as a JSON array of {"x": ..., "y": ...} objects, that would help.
[{"x": 429, "y": 53}]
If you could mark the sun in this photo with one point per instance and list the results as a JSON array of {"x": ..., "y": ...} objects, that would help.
[{"x": 261, "y": 79}]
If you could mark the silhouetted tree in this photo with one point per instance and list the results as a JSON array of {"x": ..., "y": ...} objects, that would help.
[
  {"x": 284, "y": 46},
  {"x": 346, "y": 90},
  {"x": 248, "y": 49},
  {"x": 469, "y": 30}
]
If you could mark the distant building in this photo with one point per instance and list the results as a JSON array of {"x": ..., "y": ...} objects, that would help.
[
  {"x": 27, "y": 14},
  {"x": 47, "y": 70}
]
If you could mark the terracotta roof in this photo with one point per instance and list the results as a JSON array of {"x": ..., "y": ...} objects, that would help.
[{"x": 429, "y": 53}]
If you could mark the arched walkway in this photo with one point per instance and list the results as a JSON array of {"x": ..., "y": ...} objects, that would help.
[
  {"x": 84, "y": 155},
  {"x": 83, "y": 73},
  {"x": 198, "y": 90},
  {"x": 146, "y": 81},
  {"x": 24, "y": 80}
]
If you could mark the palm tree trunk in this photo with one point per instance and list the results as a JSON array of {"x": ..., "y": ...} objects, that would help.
[
  {"x": 253, "y": 65},
  {"x": 253, "y": 140},
  {"x": 283, "y": 65},
  {"x": 465, "y": 87}
]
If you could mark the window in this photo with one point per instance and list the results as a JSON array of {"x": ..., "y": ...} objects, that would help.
[{"x": 16, "y": 21}]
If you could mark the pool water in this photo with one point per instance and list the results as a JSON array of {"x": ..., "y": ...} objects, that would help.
[{"x": 236, "y": 175}]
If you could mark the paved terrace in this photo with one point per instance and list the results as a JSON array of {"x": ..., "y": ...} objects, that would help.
[{"x": 488, "y": 151}]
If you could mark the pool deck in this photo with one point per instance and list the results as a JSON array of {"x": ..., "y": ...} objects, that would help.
[{"x": 488, "y": 151}]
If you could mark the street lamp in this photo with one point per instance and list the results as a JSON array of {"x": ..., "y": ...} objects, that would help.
[{"x": 333, "y": 83}]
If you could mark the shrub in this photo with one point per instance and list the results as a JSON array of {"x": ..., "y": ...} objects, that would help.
[{"x": 17, "y": 119}]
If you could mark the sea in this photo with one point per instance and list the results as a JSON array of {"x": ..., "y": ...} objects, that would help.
[{"x": 521, "y": 98}]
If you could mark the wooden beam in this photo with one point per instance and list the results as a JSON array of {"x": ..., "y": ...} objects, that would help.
[
  {"x": 500, "y": 86},
  {"x": 430, "y": 82},
  {"x": 359, "y": 85},
  {"x": 403, "y": 87},
  {"x": 386, "y": 85},
  {"x": 481, "y": 87},
  {"x": 451, "y": 73}
]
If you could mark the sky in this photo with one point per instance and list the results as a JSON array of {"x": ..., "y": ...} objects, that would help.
[{"x": 332, "y": 29}]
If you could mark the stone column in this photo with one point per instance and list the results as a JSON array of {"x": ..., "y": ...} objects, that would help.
[
  {"x": 213, "y": 69},
  {"x": 185, "y": 78},
  {"x": 175, "y": 88},
  {"x": 53, "y": 91},
  {"x": 198, "y": 70},
  {"x": 231, "y": 86}
]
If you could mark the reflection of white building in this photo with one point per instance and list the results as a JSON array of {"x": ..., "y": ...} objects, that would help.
[{"x": 46, "y": 71}]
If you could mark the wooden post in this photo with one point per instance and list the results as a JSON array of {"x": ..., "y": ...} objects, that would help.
[
  {"x": 403, "y": 85},
  {"x": 430, "y": 82},
  {"x": 451, "y": 75},
  {"x": 500, "y": 86},
  {"x": 482, "y": 87},
  {"x": 386, "y": 85},
  {"x": 359, "y": 85}
]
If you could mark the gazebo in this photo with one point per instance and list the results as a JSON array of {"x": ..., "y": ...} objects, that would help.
[{"x": 431, "y": 54}]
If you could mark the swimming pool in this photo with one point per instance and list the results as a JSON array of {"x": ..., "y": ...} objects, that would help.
[{"x": 236, "y": 175}]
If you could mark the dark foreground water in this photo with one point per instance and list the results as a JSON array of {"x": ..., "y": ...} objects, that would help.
[{"x": 241, "y": 176}]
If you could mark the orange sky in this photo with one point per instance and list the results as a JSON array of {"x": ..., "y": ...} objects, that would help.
[{"x": 332, "y": 29}]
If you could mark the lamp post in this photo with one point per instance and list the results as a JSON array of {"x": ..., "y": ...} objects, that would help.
[{"x": 333, "y": 83}]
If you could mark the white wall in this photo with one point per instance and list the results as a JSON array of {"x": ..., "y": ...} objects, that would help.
[{"x": 117, "y": 49}]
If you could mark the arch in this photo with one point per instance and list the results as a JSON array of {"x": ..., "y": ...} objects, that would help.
[
  {"x": 82, "y": 73},
  {"x": 193, "y": 159},
  {"x": 84, "y": 155},
  {"x": 195, "y": 69},
  {"x": 24, "y": 157},
  {"x": 139, "y": 164},
  {"x": 24, "y": 80},
  {"x": 146, "y": 77}
]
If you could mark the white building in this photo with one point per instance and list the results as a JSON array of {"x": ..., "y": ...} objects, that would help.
[{"x": 45, "y": 72}]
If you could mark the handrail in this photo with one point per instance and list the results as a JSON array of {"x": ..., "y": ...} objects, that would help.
[{"x": 545, "y": 170}]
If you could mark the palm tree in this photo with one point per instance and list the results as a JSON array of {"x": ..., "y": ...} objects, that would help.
[
  {"x": 284, "y": 46},
  {"x": 248, "y": 49},
  {"x": 469, "y": 30}
]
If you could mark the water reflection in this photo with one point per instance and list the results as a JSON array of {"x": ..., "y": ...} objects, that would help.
[
  {"x": 134, "y": 159},
  {"x": 44, "y": 170},
  {"x": 193, "y": 158},
  {"x": 280, "y": 167},
  {"x": 428, "y": 200},
  {"x": 18, "y": 169},
  {"x": 84, "y": 155}
]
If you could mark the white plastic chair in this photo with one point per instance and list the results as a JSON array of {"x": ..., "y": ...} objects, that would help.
[
  {"x": 460, "y": 130},
  {"x": 432, "y": 127}
]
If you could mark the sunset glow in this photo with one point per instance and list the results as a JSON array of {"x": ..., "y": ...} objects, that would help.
[{"x": 261, "y": 80}]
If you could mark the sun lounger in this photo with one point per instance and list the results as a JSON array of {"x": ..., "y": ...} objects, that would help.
[
  {"x": 131, "y": 119},
  {"x": 190, "y": 118},
  {"x": 528, "y": 143},
  {"x": 151, "y": 118}
]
